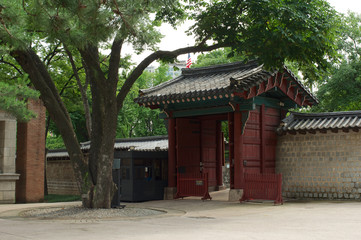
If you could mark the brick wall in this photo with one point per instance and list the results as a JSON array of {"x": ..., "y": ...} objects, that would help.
[
  {"x": 60, "y": 178},
  {"x": 321, "y": 165},
  {"x": 31, "y": 156}
]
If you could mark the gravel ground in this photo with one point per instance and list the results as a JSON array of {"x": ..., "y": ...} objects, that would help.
[{"x": 80, "y": 213}]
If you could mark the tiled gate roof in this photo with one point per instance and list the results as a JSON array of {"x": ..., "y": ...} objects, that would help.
[{"x": 220, "y": 80}]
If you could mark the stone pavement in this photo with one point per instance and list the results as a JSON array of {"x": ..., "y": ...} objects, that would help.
[{"x": 192, "y": 218}]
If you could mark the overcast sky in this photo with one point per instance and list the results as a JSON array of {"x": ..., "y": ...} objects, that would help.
[{"x": 177, "y": 38}]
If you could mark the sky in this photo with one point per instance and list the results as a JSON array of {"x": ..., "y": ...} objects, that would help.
[{"x": 174, "y": 39}]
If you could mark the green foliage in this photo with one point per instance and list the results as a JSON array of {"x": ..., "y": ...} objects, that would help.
[
  {"x": 342, "y": 92},
  {"x": 273, "y": 31},
  {"x": 78, "y": 23},
  {"x": 219, "y": 56},
  {"x": 13, "y": 99},
  {"x": 350, "y": 41},
  {"x": 14, "y": 90},
  {"x": 138, "y": 121},
  {"x": 54, "y": 141}
]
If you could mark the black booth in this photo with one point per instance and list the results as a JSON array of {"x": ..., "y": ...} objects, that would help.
[{"x": 140, "y": 175}]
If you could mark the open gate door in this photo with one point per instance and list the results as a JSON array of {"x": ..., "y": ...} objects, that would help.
[{"x": 190, "y": 180}]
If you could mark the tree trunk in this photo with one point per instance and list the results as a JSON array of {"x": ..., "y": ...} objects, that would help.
[
  {"x": 104, "y": 122},
  {"x": 102, "y": 146},
  {"x": 42, "y": 81}
]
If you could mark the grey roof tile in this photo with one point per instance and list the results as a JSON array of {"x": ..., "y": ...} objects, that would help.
[
  {"x": 154, "y": 143},
  {"x": 321, "y": 121},
  {"x": 214, "y": 80}
]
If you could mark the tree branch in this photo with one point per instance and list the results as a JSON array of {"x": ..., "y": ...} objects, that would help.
[
  {"x": 32, "y": 65},
  {"x": 113, "y": 75},
  {"x": 11, "y": 64},
  {"x": 82, "y": 92},
  {"x": 117, "y": 11},
  {"x": 90, "y": 55},
  {"x": 155, "y": 56},
  {"x": 51, "y": 55},
  {"x": 28, "y": 13}
]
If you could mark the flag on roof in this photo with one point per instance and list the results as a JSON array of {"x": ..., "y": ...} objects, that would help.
[{"x": 189, "y": 61}]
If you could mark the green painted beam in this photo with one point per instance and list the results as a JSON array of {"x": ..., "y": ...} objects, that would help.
[
  {"x": 244, "y": 105},
  {"x": 207, "y": 111},
  {"x": 195, "y": 104},
  {"x": 202, "y": 111}
]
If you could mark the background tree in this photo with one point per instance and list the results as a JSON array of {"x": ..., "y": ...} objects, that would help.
[
  {"x": 135, "y": 121},
  {"x": 271, "y": 31},
  {"x": 219, "y": 56},
  {"x": 341, "y": 91}
]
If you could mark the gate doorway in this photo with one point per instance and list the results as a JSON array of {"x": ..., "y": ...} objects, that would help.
[{"x": 200, "y": 148}]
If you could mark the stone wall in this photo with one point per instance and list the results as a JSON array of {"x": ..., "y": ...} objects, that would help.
[
  {"x": 60, "y": 178},
  {"x": 7, "y": 158},
  {"x": 321, "y": 165}
]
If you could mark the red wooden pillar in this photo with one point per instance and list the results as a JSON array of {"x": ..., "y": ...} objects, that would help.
[
  {"x": 263, "y": 139},
  {"x": 231, "y": 148},
  {"x": 172, "y": 173},
  {"x": 220, "y": 155},
  {"x": 238, "y": 145}
]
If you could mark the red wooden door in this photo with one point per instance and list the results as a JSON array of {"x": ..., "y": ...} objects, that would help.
[
  {"x": 272, "y": 119},
  {"x": 209, "y": 150},
  {"x": 188, "y": 145},
  {"x": 252, "y": 142},
  {"x": 260, "y": 139}
]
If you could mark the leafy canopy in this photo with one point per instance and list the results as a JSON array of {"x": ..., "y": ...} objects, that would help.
[
  {"x": 13, "y": 99},
  {"x": 342, "y": 90},
  {"x": 14, "y": 90},
  {"x": 272, "y": 31},
  {"x": 219, "y": 56},
  {"x": 80, "y": 23}
]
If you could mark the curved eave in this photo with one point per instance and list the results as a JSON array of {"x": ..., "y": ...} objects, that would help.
[
  {"x": 195, "y": 96},
  {"x": 299, "y": 84}
]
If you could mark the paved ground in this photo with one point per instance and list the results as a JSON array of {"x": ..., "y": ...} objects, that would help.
[{"x": 194, "y": 219}]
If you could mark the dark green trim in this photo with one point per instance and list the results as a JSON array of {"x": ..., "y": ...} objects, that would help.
[
  {"x": 268, "y": 102},
  {"x": 208, "y": 111},
  {"x": 195, "y": 105},
  {"x": 202, "y": 111},
  {"x": 196, "y": 109}
]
